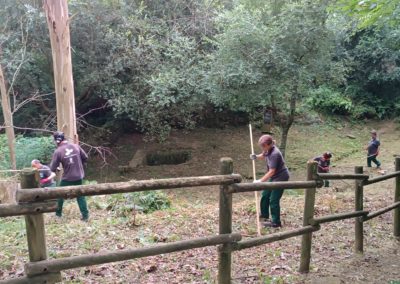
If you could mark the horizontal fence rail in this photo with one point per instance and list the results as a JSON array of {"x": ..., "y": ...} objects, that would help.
[
  {"x": 57, "y": 265},
  {"x": 381, "y": 211},
  {"x": 337, "y": 217},
  {"x": 68, "y": 192},
  {"x": 245, "y": 244},
  {"x": 342, "y": 176},
  {"x": 8, "y": 210},
  {"x": 246, "y": 187},
  {"x": 382, "y": 178}
]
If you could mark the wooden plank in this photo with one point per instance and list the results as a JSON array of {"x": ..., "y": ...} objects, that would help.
[
  {"x": 68, "y": 192},
  {"x": 245, "y": 244},
  {"x": 358, "y": 206},
  {"x": 57, "y": 265},
  {"x": 39, "y": 279},
  {"x": 382, "y": 178},
  {"x": 396, "y": 213},
  {"x": 225, "y": 225},
  {"x": 309, "y": 202},
  {"x": 382, "y": 211},
  {"x": 247, "y": 187},
  {"x": 336, "y": 217},
  {"x": 8, "y": 210},
  {"x": 343, "y": 176}
]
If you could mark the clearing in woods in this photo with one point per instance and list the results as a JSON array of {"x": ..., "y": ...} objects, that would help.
[{"x": 194, "y": 213}]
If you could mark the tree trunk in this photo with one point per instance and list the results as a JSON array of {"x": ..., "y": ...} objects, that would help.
[
  {"x": 58, "y": 23},
  {"x": 286, "y": 126},
  {"x": 8, "y": 118}
]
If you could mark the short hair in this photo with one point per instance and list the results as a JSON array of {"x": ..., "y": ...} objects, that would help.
[
  {"x": 327, "y": 155},
  {"x": 265, "y": 139},
  {"x": 373, "y": 131},
  {"x": 35, "y": 162}
]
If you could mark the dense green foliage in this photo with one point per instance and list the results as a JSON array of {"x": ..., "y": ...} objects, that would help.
[
  {"x": 27, "y": 149},
  {"x": 169, "y": 64}
]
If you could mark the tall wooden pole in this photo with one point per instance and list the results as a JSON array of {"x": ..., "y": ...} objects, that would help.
[
  {"x": 396, "y": 213},
  {"x": 256, "y": 197},
  {"x": 308, "y": 214},
  {"x": 58, "y": 23},
  {"x": 225, "y": 225},
  {"x": 359, "y": 225}
]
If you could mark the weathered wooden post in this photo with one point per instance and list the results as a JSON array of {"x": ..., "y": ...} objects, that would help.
[
  {"x": 35, "y": 231},
  {"x": 309, "y": 202},
  {"x": 359, "y": 206},
  {"x": 225, "y": 225},
  {"x": 396, "y": 212}
]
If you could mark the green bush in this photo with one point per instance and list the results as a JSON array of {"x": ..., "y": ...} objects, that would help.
[
  {"x": 147, "y": 201},
  {"x": 27, "y": 149},
  {"x": 329, "y": 101}
]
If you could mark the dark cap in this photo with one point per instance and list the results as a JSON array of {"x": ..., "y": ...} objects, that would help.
[{"x": 58, "y": 137}]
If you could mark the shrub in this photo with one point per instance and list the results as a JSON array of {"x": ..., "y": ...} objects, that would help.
[
  {"x": 330, "y": 101},
  {"x": 27, "y": 149}
]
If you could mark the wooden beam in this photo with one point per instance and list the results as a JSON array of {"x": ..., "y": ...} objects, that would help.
[
  {"x": 336, "y": 217},
  {"x": 225, "y": 225},
  {"x": 57, "y": 265},
  {"x": 343, "y": 176},
  {"x": 359, "y": 206},
  {"x": 396, "y": 213},
  {"x": 246, "y": 187},
  {"x": 382, "y": 178},
  {"x": 309, "y": 203},
  {"x": 68, "y": 192},
  {"x": 245, "y": 244},
  {"x": 35, "y": 231},
  {"x": 382, "y": 211},
  {"x": 8, "y": 210}
]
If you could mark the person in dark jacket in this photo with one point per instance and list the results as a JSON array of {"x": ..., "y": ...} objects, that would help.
[
  {"x": 324, "y": 161},
  {"x": 276, "y": 171},
  {"x": 72, "y": 158},
  {"x": 373, "y": 150}
]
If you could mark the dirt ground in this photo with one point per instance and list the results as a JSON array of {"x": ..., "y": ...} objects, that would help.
[{"x": 194, "y": 213}]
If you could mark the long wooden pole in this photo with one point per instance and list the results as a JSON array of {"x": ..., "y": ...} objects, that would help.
[
  {"x": 308, "y": 215},
  {"x": 68, "y": 192},
  {"x": 225, "y": 225},
  {"x": 254, "y": 178},
  {"x": 57, "y": 265},
  {"x": 358, "y": 206},
  {"x": 396, "y": 213}
]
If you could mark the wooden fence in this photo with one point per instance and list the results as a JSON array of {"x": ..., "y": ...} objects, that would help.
[{"x": 33, "y": 202}]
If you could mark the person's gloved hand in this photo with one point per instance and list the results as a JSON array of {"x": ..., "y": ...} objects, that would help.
[
  {"x": 257, "y": 181},
  {"x": 44, "y": 180},
  {"x": 253, "y": 156}
]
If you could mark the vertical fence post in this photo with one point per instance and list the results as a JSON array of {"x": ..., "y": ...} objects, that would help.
[
  {"x": 309, "y": 202},
  {"x": 35, "y": 230},
  {"x": 396, "y": 212},
  {"x": 359, "y": 223},
  {"x": 225, "y": 225}
]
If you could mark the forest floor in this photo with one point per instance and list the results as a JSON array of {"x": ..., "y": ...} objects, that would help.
[{"x": 194, "y": 213}]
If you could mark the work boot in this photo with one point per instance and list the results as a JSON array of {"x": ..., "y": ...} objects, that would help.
[{"x": 272, "y": 225}]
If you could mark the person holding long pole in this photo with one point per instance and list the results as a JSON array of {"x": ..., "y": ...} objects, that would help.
[{"x": 276, "y": 171}]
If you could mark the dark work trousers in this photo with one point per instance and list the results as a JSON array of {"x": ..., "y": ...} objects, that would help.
[
  {"x": 373, "y": 159},
  {"x": 81, "y": 201},
  {"x": 270, "y": 201}
]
